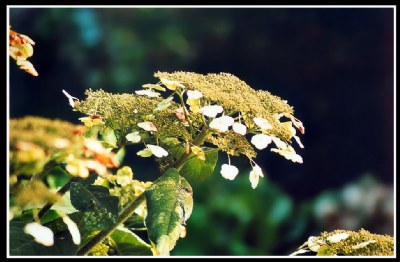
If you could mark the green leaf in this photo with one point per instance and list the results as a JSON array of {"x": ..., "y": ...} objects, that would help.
[
  {"x": 121, "y": 154},
  {"x": 196, "y": 170},
  {"x": 169, "y": 205},
  {"x": 22, "y": 244},
  {"x": 57, "y": 177},
  {"x": 99, "y": 207},
  {"x": 108, "y": 135},
  {"x": 126, "y": 243},
  {"x": 58, "y": 225}
]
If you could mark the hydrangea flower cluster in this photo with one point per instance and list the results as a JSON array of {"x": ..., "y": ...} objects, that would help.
[{"x": 198, "y": 110}]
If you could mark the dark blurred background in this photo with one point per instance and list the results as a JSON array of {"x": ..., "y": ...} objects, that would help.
[{"x": 334, "y": 65}]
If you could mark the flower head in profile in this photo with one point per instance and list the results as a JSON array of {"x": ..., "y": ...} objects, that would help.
[{"x": 255, "y": 176}]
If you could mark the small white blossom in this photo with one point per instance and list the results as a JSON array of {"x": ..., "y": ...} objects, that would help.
[
  {"x": 70, "y": 98},
  {"x": 194, "y": 94},
  {"x": 229, "y": 171},
  {"x": 261, "y": 141},
  {"x": 148, "y": 93},
  {"x": 289, "y": 154},
  {"x": 133, "y": 137},
  {"x": 363, "y": 244},
  {"x": 255, "y": 176},
  {"x": 148, "y": 126},
  {"x": 314, "y": 244},
  {"x": 42, "y": 234},
  {"x": 145, "y": 152},
  {"x": 239, "y": 128},
  {"x": 211, "y": 111},
  {"x": 157, "y": 150},
  {"x": 337, "y": 237},
  {"x": 262, "y": 123},
  {"x": 221, "y": 124}
]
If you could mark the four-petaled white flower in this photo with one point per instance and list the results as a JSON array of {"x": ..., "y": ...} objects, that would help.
[
  {"x": 229, "y": 171},
  {"x": 262, "y": 123},
  {"x": 255, "y": 176},
  {"x": 148, "y": 93},
  {"x": 221, "y": 124},
  {"x": 42, "y": 234},
  {"x": 148, "y": 126},
  {"x": 261, "y": 141},
  {"x": 157, "y": 150},
  {"x": 194, "y": 94},
  {"x": 239, "y": 128},
  {"x": 211, "y": 111}
]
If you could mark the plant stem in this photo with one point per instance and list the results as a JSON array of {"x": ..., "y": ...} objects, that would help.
[
  {"x": 128, "y": 211},
  {"x": 199, "y": 140},
  {"x": 185, "y": 112}
]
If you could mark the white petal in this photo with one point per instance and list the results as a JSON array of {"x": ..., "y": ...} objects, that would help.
[
  {"x": 42, "y": 234},
  {"x": 148, "y": 126},
  {"x": 298, "y": 141},
  {"x": 255, "y": 176},
  {"x": 229, "y": 171},
  {"x": 172, "y": 85},
  {"x": 158, "y": 151},
  {"x": 314, "y": 244},
  {"x": 337, "y": 237},
  {"x": 194, "y": 94},
  {"x": 70, "y": 98},
  {"x": 148, "y": 93},
  {"x": 239, "y": 128},
  {"x": 279, "y": 143},
  {"x": 301, "y": 251},
  {"x": 73, "y": 229},
  {"x": 257, "y": 169},
  {"x": 145, "y": 152},
  {"x": 262, "y": 123},
  {"x": 363, "y": 244},
  {"x": 254, "y": 179},
  {"x": 289, "y": 154},
  {"x": 221, "y": 124},
  {"x": 133, "y": 137},
  {"x": 261, "y": 141},
  {"x": 211, "y": 111}
]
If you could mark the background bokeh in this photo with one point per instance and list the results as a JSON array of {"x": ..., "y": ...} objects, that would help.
[{"x": 334, "y": 65}]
